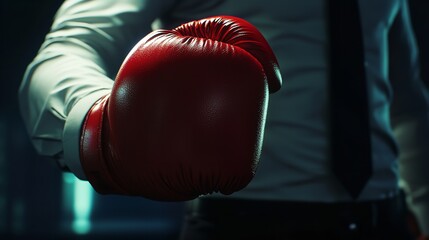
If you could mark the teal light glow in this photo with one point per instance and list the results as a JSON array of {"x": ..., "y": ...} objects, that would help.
[
  {"x": 82, "y": 206},
  {"x": 78, "y": 197}
]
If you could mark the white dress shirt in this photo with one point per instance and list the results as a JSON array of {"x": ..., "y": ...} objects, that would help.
[{"x": 89, "y": 40}]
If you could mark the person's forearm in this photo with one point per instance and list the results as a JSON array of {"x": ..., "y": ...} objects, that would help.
[
  {"x": 413, "y": 139},
  {"x": 75, "y": 67},
  {"x": 410, "y": 115},
  {"x": 53, "y": 84}
]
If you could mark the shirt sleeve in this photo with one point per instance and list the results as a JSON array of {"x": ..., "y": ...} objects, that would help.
[
  {"x": 75, "y": 67},
  {"x": 410, "y": 116}
]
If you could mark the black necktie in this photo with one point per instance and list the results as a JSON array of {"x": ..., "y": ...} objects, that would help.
[{"x": 350, "y": 137}]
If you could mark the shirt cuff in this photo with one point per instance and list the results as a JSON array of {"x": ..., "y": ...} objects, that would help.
[{"x": 72, "y": 132}]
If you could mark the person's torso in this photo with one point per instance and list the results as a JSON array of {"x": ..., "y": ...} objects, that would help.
[{"x": 295, "y": 161}]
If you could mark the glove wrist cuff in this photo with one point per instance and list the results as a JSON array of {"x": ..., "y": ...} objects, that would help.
[{"x": 92, "y": 152}]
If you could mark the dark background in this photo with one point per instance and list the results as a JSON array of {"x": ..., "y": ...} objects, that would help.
[{"x": 36, "y": 199}]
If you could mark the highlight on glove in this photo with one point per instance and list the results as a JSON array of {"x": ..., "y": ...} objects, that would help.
[{"x": 186, "y": 114}]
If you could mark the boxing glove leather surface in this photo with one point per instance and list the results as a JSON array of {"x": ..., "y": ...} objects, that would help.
[{"x": 186, "y": 114}]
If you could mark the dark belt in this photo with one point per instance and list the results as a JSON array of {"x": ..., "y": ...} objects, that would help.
[{"x": 347, "y": 216}]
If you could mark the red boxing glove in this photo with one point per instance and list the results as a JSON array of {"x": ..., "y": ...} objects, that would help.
[{"x": 186, "y": 114}]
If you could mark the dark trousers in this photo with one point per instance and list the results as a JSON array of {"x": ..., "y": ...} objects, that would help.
[{"x": 215, "y": 219}]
